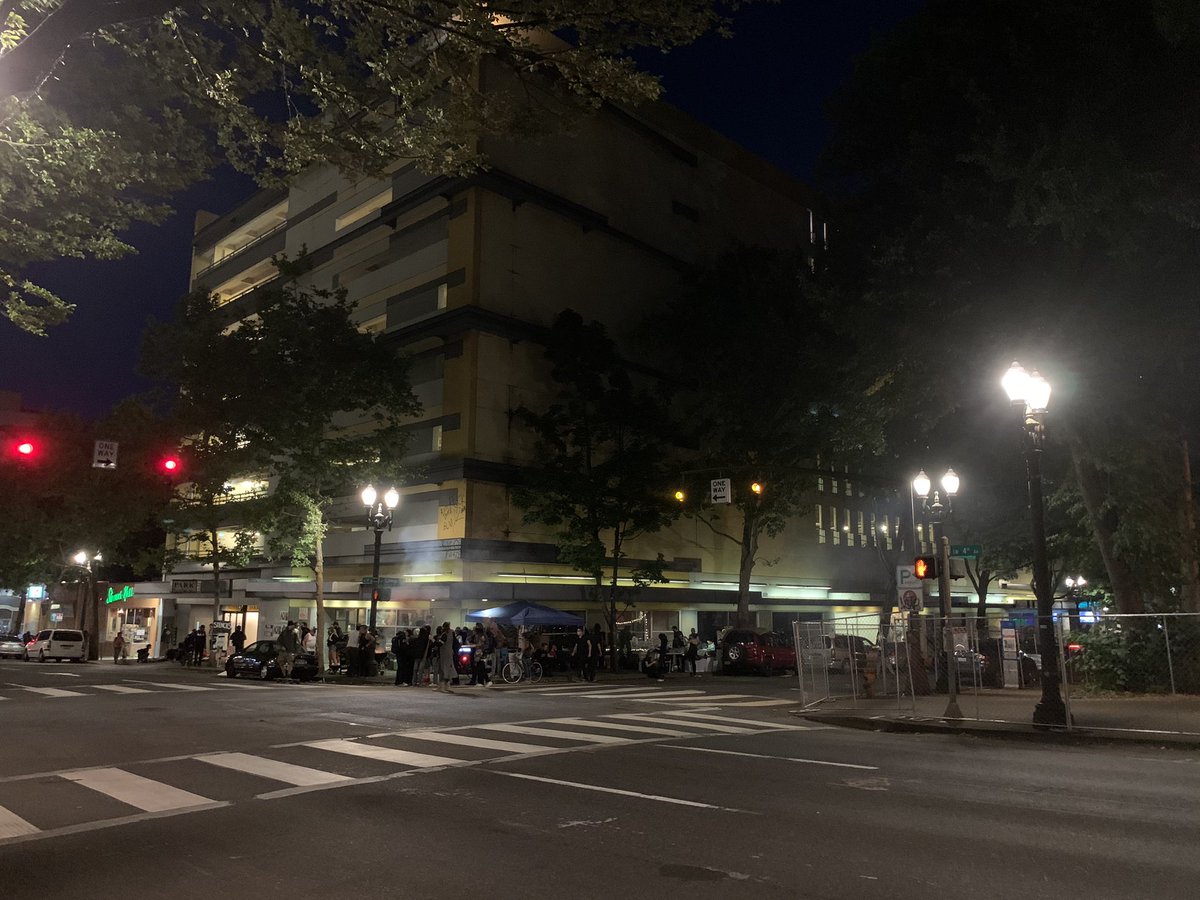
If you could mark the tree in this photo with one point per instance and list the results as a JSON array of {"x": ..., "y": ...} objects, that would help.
[
  {"x": 108, "y": 107},
  {"x": 295, "y": 395},
  {"x": 771, "y": 386},
  {"x": 1025, "y": 172},
  {"x": 599, "y": 475}
]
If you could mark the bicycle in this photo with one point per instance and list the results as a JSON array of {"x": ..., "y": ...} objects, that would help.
[{"x": 516, "y": 669}]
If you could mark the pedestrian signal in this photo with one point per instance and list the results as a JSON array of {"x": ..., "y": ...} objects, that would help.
[{"x": 925, "y": 567}]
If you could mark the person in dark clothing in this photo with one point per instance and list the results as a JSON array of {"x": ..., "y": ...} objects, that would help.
[
  {"x": 201, "y": 645},
  {"x": 691, "y": 654},
  {"x": 664, "y": 655},
  {"x": 238, "y": 639},
  {"x": 580, "y": 652},
  {"x": 185, "y": 649},
  {"x": 420, "y": 654},
  {"x": 595, "y": 651},
  {"x": 403, "y": 654}
]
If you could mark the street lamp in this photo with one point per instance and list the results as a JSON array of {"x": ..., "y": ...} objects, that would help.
[
  {"x": 1029, "y": 394},
  {"x": 937, "y": 512},
  {"x": 379, "y": 517},
  {"x": 84, "y": 560}
]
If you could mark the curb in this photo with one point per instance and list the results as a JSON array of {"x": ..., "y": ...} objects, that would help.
[{"x": 1011, "y": 731}]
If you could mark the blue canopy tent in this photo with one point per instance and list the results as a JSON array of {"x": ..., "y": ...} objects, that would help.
[{"x": 527, "y": 613}]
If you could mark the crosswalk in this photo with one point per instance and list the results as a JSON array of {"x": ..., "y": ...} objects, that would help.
[
  {"x": 17, "y": 692},
  {"x": 653, "y": 693},
  {"x": 57, "y": 803}
]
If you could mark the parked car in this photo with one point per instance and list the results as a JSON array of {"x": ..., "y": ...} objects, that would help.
[
  {"x": 839, "y": 648},
  {"x": 56, "y": 643},
  {"x": 11, "y": 646},
  {"x": 971, "y": 665},
  {"x": 746, "y": 650},
  {"x": 259, "y": 660}
]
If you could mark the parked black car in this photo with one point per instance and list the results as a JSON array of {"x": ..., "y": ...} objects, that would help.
[{"x": 259, "y": 660}]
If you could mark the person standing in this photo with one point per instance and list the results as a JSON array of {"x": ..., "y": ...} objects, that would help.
[
  {"x": 119, "y": 648},
  {"x": 692, "y": 653},
  {"x": 403, "y": 654},
  {"x": 420, "y": 654},
  {"x": 664, "y": 656},
  {"x": 289, "y": 643},
  {"x": 579, "y": 654},
  {"x": 308, "y": 643},
  {"x": 597, "y": 650},
  {"x": 201, "y": 645},
  {"x": 238, "y": 639},
  {"x": 334, "y": 645},
  {"x": 445, "y": 659}
]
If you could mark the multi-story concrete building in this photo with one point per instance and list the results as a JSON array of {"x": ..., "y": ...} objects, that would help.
[{"x": 464, "y": 274}]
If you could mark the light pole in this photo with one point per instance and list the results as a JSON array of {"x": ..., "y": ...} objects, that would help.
[
  {"x": 1029, "y": 393},
  {"x": 379, "y": 517},
  {"x": 92, "y": 605},
  {"x": 937, "y": 512}
]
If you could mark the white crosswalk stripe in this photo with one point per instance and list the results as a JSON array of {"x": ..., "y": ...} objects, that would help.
[
  {"x": 120, "y": 689},
  {"x": 12, "y": 825},
  {"x": 54, "y": 692},
  {"x": 614, "y": 726},
  {"x": 711, "y": 726},
  {"x": 554, "y": 733},
  {"x": 273, "y": 769},
  {"x": 467, "y": 740},
  {"x": 383, "y": 754},
  {"x": 648, "y": 693},
  {"x": 173, "y": 686},
  {"x": 144, "y": 793},
  {"x": 691, "y": 714}
]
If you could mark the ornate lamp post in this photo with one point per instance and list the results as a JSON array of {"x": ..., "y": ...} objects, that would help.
[
  {"x": 379, "y": 518},
  {"x": 92, "y": 604},
  {"x": 937, "y": 512},
  {"x": 1029, "y": 393}
]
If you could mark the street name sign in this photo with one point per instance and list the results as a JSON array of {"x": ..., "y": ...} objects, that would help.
[
  {"x": 721, "y": 490},
  {"x": 966, "y": 551}
]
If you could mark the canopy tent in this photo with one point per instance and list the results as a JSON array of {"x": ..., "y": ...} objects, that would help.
[{"x": 527, "y": 613}]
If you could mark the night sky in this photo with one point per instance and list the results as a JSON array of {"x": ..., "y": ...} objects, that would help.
[{"x": 765, "y": 88}]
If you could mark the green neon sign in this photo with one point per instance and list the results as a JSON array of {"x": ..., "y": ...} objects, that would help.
[{"x": 124, "y": 593}]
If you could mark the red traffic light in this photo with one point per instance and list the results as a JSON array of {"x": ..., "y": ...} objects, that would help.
[
  {"x": 24, "y": 448},
  {"x": 170, "y": 465}
]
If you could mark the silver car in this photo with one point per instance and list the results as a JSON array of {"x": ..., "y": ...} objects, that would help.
[{"x": 11, "y": 646}]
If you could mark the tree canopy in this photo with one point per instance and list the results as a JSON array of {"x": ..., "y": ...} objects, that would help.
[
  {"x": 1018, "y": 180},
  {"x": 107, "y": 107}
]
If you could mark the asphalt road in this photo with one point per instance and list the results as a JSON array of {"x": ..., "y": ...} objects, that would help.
[{"x": 151, "y": 781}]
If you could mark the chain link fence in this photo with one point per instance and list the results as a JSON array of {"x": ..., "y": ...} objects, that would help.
[{"x": 1123, "y": 672}]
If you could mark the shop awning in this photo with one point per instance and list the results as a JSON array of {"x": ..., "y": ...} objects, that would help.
[{"x": 524, "y": 612}]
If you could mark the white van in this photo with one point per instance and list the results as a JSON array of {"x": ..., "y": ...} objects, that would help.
[{"x": 56, "y": 643}]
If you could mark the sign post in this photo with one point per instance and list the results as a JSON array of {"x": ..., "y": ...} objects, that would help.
[{"x": 910, "y": 590}]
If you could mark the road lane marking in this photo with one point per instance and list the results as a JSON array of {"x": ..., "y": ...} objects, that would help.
[
  {"x": 143, "y": 793},
  {"x": 690, "y": 714},
  {"x": 563, "y": 688},
  {"x": 100, "y": 824},
  {"x": 554, "y": 733},
  {"x": 12, "y": 825},
  {"x": 55, "y": 692},
  {"x": 120, "y": 689},
  {"x": 811, "y": 762},
  {"x": 171, "y": 686},
  {"x": 466, "y": 740},
  {"x": 300, "y": 776},
  {"x": 710, "y": 726},
  {"x": 704, "y": 698},
  {"x": 607, "y": 790},
  {"x": 613, "y": 726},
  {"x": 760, "y": 703},
  {"x": 384, "y": 754}
]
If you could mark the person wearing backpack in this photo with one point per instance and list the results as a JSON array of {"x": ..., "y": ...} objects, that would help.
[{"x": 400, "y": 650}]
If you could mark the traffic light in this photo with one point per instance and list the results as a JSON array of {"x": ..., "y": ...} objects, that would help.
[
  {"x": 925, "y": 567},
  {"x": 170, "y": 465},
  {"x": 24, "y": 449},
  {"x": 680, "y": 496},
  {"x": 757, "y": 487}
]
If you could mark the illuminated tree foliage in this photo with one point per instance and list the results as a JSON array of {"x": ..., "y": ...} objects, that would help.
[{"x": 107, "y": 107}]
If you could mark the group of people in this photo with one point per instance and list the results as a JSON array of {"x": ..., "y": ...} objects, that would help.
[
  {"x": 427, "y": 654},
  {"x": 192, "y": 647},
  {"x": 356, "y": 653},
  {"x": 686, "y": 651}
]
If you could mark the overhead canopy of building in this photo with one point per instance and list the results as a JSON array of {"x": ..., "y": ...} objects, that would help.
[{"x": 523, "y": 612}]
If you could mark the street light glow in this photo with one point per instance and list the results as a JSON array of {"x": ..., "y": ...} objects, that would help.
[
  {"x": 1037, "y": 397},
  {"x": 369, "y": 495},
  {"x": 950, "y": 482},
  {"x": 1029, "y": 388},
  {"x": 80, "y": 558},
  {"x": 680, "y": 496},
  {"x": 921, "y": 485},
  {"x": 392, "y": 498}
]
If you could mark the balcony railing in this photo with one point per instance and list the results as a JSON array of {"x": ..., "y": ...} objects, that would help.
[{"x": 242, "y": 249}]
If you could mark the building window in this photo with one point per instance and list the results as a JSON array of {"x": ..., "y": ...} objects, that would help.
[
  {"x": 820, "y": 484},
  {"x": 834, "y": 483},
  {"x": 833, "y": 525},
  {"x": 862, "y": 535},
  {"x": 820, "y": 525}
]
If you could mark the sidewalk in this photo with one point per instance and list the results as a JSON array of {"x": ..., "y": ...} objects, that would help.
[{"x": 1150, "y": 718}]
